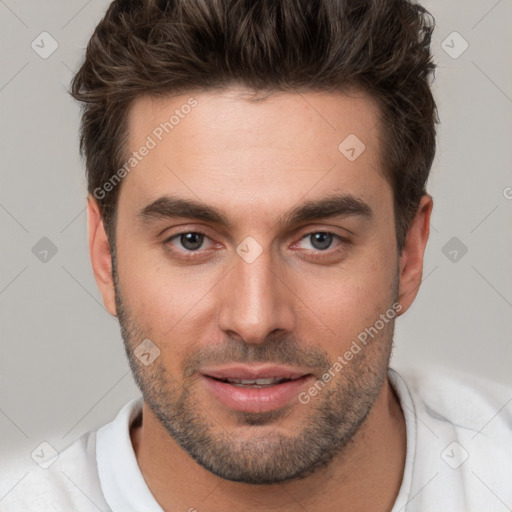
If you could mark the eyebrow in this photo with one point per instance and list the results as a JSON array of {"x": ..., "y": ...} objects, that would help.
[{"x": 341, "y": 205}]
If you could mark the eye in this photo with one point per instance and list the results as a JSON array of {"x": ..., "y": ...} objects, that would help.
[
  {"x": 190, "y": 241},
  {"x": 320, "y": 240}
]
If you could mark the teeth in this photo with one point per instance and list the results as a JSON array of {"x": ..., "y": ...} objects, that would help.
[{"x": 257, "y": 382}]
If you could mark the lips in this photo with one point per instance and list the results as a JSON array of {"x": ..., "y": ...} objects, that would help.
[
  {"x": 253, "y": 372},
  {"x": 255, "y": 383},
  {"x": 255, "y": 388}
]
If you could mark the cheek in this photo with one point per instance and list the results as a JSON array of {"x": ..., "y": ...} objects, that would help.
[
  {"x": 342, "y": 302},
  {"x": 169, "y": 303}
]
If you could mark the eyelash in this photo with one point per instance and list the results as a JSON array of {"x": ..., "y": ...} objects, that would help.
[{"x": 318, "y": 254}]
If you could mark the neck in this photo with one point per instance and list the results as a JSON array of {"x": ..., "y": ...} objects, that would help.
[{"x": 366, "y": 475}]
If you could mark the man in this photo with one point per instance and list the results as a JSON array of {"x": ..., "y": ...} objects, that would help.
[{"x": 257, "y": 221}]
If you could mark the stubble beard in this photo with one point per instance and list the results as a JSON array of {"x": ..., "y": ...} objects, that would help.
[{"x": 257, "y": 451}]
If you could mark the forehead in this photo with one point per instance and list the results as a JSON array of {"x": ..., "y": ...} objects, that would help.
[{"x": 219, "y": 144}]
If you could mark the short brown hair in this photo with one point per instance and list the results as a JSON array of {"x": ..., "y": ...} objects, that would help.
[{"x": 166, "y": 47}]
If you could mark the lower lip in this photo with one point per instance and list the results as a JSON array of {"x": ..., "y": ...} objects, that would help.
[{"x": 256, "y": 399}]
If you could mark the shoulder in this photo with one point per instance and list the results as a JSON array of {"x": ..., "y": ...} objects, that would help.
[
  {"x": 61, "y": 482},
  {"x": 459, "y": 446},
  {"x": 462, "y": 400},
  {"x": 68, "y": 480}
]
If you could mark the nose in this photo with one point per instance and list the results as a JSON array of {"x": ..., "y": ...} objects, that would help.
[{"x": 255, "y": 301}]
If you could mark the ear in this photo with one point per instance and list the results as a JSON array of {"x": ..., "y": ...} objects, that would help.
[
  {"x": 101, "y": 259},
  {"x": 411, "y": 259}
]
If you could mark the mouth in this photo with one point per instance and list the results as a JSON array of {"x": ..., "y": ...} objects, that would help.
[
  {"x": 255, "y": 383},
  {"x": 255, "y": 389}
]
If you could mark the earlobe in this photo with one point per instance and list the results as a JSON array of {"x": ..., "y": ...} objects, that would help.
[
  {"x": 101, "y": 258},
  {"x": 411, "y": 259}
]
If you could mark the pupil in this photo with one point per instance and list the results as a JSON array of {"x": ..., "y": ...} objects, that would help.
[
  {"x": 192, "y": 241},
  {"x": 321, "y": 240}
]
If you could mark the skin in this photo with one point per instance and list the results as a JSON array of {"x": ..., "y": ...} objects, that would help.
[{"x": 255, "y": 161}]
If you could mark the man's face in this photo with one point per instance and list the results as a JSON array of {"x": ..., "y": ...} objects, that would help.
[{"x": 267, "y": 294}]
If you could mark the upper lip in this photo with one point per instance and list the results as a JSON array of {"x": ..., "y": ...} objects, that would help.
[{"x": 253, "y": 372}]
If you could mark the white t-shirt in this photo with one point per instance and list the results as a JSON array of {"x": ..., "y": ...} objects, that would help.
[{"x": 459, "y": 455}]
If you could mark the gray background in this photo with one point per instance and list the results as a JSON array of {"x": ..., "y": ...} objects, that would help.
[{"x": 62, "y": 367}]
